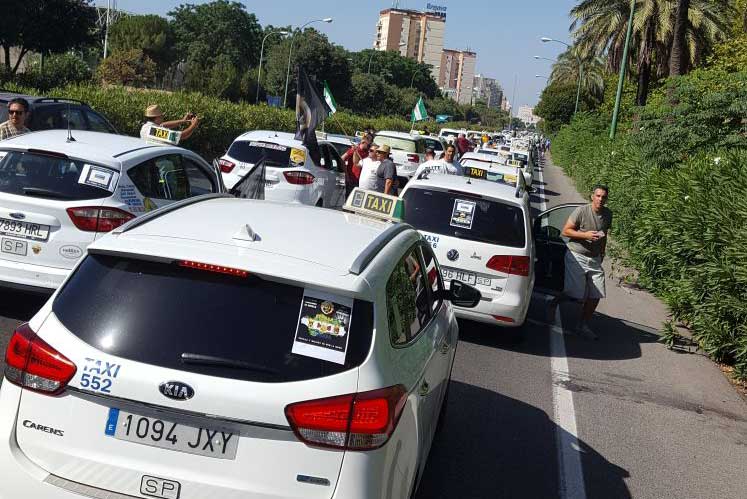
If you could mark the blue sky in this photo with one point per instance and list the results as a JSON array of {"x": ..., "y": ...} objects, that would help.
[{"x": 504, "y": 33}]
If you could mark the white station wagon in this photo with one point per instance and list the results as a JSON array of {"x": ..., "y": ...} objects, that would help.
[
  {"x": 58, "y": 196},
  {"x": 205, "y": 350}
]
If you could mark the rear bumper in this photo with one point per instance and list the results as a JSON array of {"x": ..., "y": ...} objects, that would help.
[
  {"x": 513, "y": 306},
  {"x": 29, "y": 277}
]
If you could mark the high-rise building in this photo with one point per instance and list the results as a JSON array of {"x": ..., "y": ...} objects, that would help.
[
  {"x": 457, "y": 73},
  {"x": 488, "y": 90},
  {"x": 414, "y": 34}
]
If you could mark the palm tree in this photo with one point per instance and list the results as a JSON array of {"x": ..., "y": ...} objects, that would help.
[
  {"x": 565, "y": 70},
  {"x": 677, "y": 59},
  {"x": 599, "y": 27}
]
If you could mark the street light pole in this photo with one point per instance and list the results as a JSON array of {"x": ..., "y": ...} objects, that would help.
[
  {"x": 261, "y": 53},
  {"x": 545, "y": 39},
  {"x": 623, "y": 68},
  {"x": 290, "y": 52}
]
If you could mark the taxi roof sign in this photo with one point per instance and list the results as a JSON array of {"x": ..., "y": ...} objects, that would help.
[
  {"x": 375, "y": 204},
  {"x": 162, "y": 135}
]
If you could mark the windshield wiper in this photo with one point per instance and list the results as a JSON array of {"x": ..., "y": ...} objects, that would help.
[
  {"x": 209, "y": 360},
  {"x": 38, "y": 191}
]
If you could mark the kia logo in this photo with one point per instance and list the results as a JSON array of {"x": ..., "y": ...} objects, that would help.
[
  {"x": 452, "y": 255},
  {"x": 176, "y": 390},
  {"x": 18, "y": 216}
]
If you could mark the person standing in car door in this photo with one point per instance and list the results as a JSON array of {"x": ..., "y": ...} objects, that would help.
[{"x": 588, "y": 228}]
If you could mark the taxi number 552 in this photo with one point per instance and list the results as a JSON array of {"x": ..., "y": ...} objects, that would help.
[{"x": 96, "y": 383}]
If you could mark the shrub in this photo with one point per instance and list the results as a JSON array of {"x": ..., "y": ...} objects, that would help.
[{"x": 127, "y": 67}]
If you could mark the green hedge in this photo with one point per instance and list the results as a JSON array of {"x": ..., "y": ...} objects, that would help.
[{"x": 682, "y": 225}]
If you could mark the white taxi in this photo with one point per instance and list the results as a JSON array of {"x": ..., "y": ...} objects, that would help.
[
  {"x": 481, "y": 231},
  {"x": 498, "y": 164},
  {"x": 57, "y": 196},
  {"x": 291, "y": 176},
  {"x": 205, "y": 350}
]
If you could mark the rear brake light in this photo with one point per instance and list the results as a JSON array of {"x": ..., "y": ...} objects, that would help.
[
  {"x": 226, "y": 166},
  {"x": 413, "y": 158},
  {"x": 359, "y": 421},
  {"x": 502, "y": 318},
  {"x": 96, "y": 219},
  {"x": 213, "y": 268},
  {"x": 508, "y": 264},
  {"x": 299, "y": 178},
  {"x": 32, "y": 363}
]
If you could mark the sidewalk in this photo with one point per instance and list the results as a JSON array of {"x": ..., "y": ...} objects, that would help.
[{"x": 671, "y": 420}]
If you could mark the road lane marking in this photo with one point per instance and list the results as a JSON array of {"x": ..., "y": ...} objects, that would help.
[{"x": 570, "y": 471}]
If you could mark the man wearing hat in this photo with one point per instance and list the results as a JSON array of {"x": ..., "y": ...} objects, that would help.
[
  {"x": 386, "y": 174},
  {"x": 154, "y": 117}
]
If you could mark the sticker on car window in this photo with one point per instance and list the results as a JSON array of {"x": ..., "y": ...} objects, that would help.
[
  {"x": 297, "y": 157},
  {"x": 96, "y": 176},
  {"x": 463, "y": 214},
  {"x": 323, "y": 326},
  {"x": 268, "y": 145}
]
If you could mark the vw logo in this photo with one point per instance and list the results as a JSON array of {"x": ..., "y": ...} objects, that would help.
[
  {"x": 176, "y": 390},
  {"x": 18, "y": 216},
  {"x": 452, "y": 255}
]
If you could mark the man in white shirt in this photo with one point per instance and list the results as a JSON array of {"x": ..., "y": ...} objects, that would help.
[
  {"x": 154, "y": 117},
  {"x": 446, "y": 165},
  {"x": 369, "y": 166}
]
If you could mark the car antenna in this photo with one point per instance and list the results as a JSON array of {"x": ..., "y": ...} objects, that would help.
[{"x": 70, "y": 137}]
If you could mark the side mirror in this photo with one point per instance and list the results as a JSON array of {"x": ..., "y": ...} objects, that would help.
[{"x": 463, "y": 295}]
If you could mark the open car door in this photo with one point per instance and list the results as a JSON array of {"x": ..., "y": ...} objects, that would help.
[{"x": 550, "y": 247}]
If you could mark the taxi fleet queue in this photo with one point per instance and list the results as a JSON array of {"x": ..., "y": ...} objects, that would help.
[{"x": 248, "y": 328}]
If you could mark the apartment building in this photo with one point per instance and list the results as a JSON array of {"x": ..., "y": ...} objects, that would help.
[
  {"x": 457, "y": 74},
  {"x": 414, "y": 34},
  {"x": 488, "y": 90}
]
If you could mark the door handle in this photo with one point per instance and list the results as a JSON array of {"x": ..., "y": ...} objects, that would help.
[{"x": 425, "y": 388}]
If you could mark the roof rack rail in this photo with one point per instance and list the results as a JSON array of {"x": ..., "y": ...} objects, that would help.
[
  {"x": 152, "y": 215},
  {"x": 60, "y": 99},
  {"x": 368, "y": 254}
]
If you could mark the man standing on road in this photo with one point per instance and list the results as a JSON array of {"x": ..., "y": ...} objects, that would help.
[
  {"x": 352, "y": 158},
  {"x": 447, "y": 164},
  {"x": 588, "y": 228},
  {"x": 18, "y": 110},
  {"x": 386, "y": 174},
  {"x": 463, "y": 145},
  {"x": 369, "y": 166}
]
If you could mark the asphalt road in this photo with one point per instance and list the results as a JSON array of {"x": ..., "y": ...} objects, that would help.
[{"x": 546, "y": 415}]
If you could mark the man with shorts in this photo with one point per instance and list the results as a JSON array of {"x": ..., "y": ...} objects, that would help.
[{"x": 588, "y": 228}]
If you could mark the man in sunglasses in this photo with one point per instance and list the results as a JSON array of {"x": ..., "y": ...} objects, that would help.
[{"x": 18, "y": 110}]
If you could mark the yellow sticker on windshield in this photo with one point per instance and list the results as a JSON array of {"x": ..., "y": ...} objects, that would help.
[{"x": 297, "y": 156}]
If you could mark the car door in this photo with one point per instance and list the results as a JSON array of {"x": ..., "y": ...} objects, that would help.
[
  {"x": 550, "y": 247},
  {"x": 337, "y": 167}
]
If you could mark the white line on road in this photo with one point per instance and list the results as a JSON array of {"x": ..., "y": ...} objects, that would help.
[{"x": 570, "y": 471}]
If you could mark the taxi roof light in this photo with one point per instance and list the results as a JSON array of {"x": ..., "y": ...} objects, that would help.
[{"x": 375, "y": 204}]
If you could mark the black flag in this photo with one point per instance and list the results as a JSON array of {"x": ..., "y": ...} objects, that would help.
[
  {"x": 310, "y": 111},
  {"x": 252, "y": 186}
]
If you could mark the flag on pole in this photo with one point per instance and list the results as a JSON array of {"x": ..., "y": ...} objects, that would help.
[
  {"x": 329, "y": 99},
  {"x": 311, "y": 110},
  {"x": 419, "y": 113}
]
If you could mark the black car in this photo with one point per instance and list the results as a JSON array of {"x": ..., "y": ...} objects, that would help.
[{"x": 48, "y": 113}]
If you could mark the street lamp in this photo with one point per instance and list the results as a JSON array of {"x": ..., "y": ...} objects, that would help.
[
  {"x": 545, "y": 39},
  {"x": 261, "y": 52},
  {"x": 290, "y": 52},
  {"x": 545, "y": 58},
  {"x": 542, "y": 76},
  {"x": 417, "y": 70}
]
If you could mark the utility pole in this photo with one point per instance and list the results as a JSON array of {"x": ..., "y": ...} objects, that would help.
[
  {"x": 623, "y": 69},
  {"x": 513, "y": 103}
]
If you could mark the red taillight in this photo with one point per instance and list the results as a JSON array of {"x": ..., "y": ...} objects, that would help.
[
  {"x": 213, "y": 268},
  {"x": 96, "y": 219},
  {"x": 503, "y": 318},
  {"x": 226, "y": 166},
  {"x": 413, "y": 158},
  {"x": 299, "y": 178},
  {"x": 32, "y": 363},
  {"x": 360, "y": 421},
  {"x": 508, "y": 264}
]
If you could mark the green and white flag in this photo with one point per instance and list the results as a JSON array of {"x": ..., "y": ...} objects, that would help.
[
  {"x": 419, "y": 113},
  {"x": 330, "y": 100}
]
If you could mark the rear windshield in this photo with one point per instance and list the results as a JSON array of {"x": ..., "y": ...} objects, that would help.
[
  {"x": 405, "y": 145},
  {"x": 465, "y": 216},
  {"x": 253, "y": 151},
  {"x": 155, "y": 312},
  {"x": 448, "y": 134},
  {"x": 50, "y": 177}
]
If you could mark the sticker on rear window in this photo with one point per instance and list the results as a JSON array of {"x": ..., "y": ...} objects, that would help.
[
  {"x": 297, "y": 156},
  {"x": 268, "y": 145},
  {"x": 463, "y": 214},
  {"x": 97, "y": 177},
  {"x": 323, "y": 326}
]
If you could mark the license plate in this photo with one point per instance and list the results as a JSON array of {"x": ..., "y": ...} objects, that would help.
[
  {"x": 172, "y": 436},
  {"x": 14, "y": 246},
  {"x": 465, "y": 276},
  {"x": 25, "y": 230}
]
